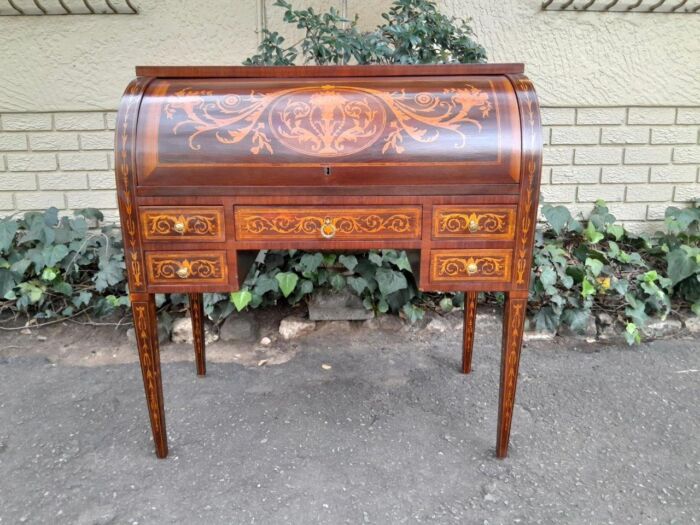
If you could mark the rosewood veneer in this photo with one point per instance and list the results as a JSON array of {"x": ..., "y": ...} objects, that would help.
[{"x": 213, "y": 163}]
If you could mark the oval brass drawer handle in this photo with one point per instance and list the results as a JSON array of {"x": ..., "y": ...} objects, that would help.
[
  {"x": 472, "y": 268},
  {"x": 183, "y": 272},
  {"x": 327, "y": 229}
]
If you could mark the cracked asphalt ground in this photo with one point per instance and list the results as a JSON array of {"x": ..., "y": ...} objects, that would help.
[{"x": 391, "y": 433}]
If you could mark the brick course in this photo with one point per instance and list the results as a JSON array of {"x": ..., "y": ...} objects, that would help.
[{"x": 641, "y": 159}]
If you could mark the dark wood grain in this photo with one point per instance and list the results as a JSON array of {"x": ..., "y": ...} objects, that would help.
[
  {"x": 146, "y": 330},
  {"x": 197, "y": 318},
  {"x": 469, "y": 326},
  {"x": 326, "y": 71},
  {"x": 513, "y": 327}
]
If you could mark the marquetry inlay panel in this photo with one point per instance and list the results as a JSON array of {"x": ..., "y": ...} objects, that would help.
[
  {"x": 344, "y": 223},
  {"x": 473, "y": 222},
  {"x": 186, "y": 267},
  {"x": 470, "y": 265},
  {"x": 191, "y": 223}
]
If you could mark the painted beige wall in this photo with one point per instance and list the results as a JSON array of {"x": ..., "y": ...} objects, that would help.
[{"x": 57, "y": 63}]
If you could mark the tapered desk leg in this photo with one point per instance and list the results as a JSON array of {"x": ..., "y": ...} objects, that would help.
[
  {"x": 513, "y": 325},
  {"x": 197, "y": 316},
  {"x": 469, "y": 325},
  {"x": 146, "y": 327}
]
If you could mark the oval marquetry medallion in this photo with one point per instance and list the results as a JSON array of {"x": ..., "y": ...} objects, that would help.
[{"x": 329, "y": 121}]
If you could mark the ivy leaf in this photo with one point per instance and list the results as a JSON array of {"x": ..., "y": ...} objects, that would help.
[
  {"x": 577, "y": 318},
  {"x": 7, "y": 283},
  {"x": 636, "y": 310},
  {"x": 593, "y": 235},
  {"x": 632, "y": 334},
  {"x": 337, "y": 282},
  {"x": 375, "y": 258},
  {"x": 349, "y": 261},
  {"x": 587, "y": 288},
  {"x": 54, "y": 254},
  {"x": 400, "y": 260},
  {"x": 412, "y": 312},
  {"x": 64, "y": 288},
  {"x": 358, "y": 284},
  {"x": 616, "y": 231},
  {"x": 446, "y": 304},
  {"x": 595, "y": 266},
  {"x": 287, "y": 282},
  {"x": 20, "y": 266},
  {"x": 390, "y": 281},
  {"x": 309, "y": 263},
  {"x": 558, "y": 217},
  {"x": 548, "y": 277},
  {"x": 546, "y": 320},
  {"x": 31, "y": 291},
  {"x": 264, "y": 283},
  {"x": 681, "y": 265},
  {"x": 49, "y": 274},
  {"x": 8, "y": 228},
  {"x": 241, "y": 298},
  {"x": 90, "y": 214},
  {"x": 83, "y": 298},
  {"x": 110, "y": 273},
  {"x": 696, "y": 308}
]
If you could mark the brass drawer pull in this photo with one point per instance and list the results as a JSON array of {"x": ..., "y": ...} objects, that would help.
[
  {"x": 179, "y": 227},
  {"x": 183, "y": 272},
  {"x": 472, "y": 268},
  {"x": 327, "y": 229},
  {"x": 473, "y": 226}
]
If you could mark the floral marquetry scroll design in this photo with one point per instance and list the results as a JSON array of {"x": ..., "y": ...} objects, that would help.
[
  {"x": 150, "y": 375},
  {"x": 461, "y": 222},
  {"x": 329, "y": 120},
  {"x": 481, "y": 265},
  {"x": 514, "y": 321},
  {"x": 530, "y": 178},
  {"x": 125, "y": 169},
  {"x": 173, "y": 268},
  {"x": 191, "y": 224},
  {"x": 256, "y": 224}
]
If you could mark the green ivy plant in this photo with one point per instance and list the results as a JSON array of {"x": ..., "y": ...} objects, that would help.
[
  {"x": 51, "y": 267},
  {"x": 414, "y": 32},
  {"x": 582, "y": 270},
  {"x": 382, "y": 279}
]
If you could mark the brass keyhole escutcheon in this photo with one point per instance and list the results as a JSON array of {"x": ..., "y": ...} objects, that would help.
[
  {"x": 473, "y": 226},
  {"x": 472, "y": 268},
  {"x": 179, "y": 227},
  {"x": 183, "y": 272},
  {"x": 327, "y": 229}
]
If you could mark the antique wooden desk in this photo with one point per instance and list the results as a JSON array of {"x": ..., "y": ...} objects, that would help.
[{"x": 214, "y": 163}]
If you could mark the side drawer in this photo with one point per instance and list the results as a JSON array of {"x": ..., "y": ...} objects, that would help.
[
  {"x": 191, "y": 223},
  {"x": 473, "y": 222},
  {"x": 470, "y": 265},
  {"x": 255, "y": 223},
  {"x": 186, "y": 267}
]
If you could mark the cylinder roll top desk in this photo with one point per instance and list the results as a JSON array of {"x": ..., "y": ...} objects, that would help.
[{"x": 215, "y": 163}]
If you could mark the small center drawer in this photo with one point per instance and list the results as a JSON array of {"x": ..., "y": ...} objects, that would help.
[
  {"x": 192, "y": 223},
  {"x": 470, "y": 265},
  {"x": 186, "y": 267},
  {"x": 323, "y": 222},
  {"x": 464, "y": 221}
]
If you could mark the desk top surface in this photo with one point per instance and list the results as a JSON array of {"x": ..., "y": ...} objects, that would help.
[{"x": 389, "y": 70}]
